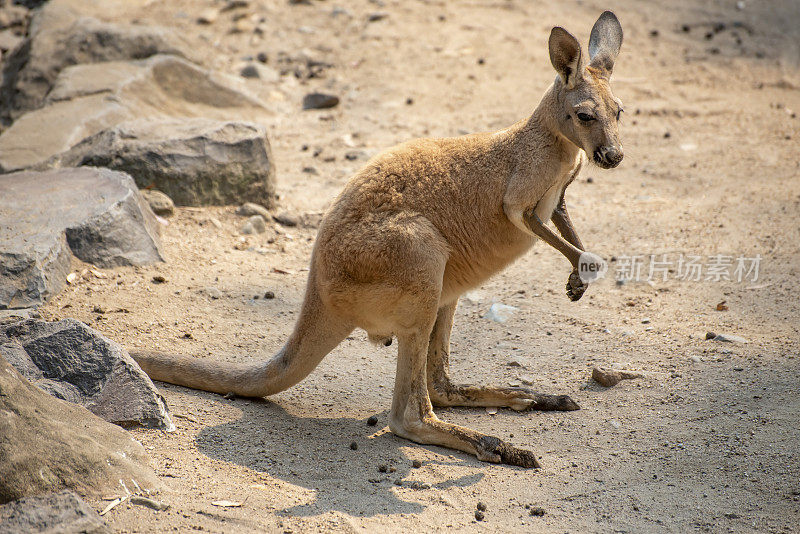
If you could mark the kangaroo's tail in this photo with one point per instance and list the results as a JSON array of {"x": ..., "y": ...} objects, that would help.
[{"x": 317, "y": 332}]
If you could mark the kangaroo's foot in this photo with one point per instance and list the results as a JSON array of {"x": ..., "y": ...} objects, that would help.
[
  {"x": 444, "y": 393},
  {"x": 430, "y": 430}
]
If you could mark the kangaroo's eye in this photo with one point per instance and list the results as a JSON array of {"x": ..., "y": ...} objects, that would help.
[
  {"x": 585, "y": 117},
  {"x": 619, "y": 113}
]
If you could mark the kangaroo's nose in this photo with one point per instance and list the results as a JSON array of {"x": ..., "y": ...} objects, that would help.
[{"x": 608, "y": 156}]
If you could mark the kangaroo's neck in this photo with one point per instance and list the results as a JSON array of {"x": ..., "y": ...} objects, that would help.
[{"x": 537, "y": 139}]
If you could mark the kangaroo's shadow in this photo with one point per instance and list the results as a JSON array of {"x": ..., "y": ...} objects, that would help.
[{"x": 316, "y": 453}]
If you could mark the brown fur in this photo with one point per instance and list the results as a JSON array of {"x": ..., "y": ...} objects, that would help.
[{"x": 421, "y": 224}]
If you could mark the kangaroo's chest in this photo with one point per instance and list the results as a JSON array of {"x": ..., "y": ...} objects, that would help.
[{"x": 547, "y": 204}]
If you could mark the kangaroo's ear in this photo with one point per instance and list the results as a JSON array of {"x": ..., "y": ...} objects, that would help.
[
  {"x": 565, "y": 55},
  {"x": 605, "y": 42}
]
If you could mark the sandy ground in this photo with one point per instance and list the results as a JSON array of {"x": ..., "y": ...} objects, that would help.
[{"x": 708, "y": 441}]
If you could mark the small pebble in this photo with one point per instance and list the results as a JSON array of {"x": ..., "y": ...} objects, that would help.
[
  {"x": 158, "y": 279},
  {"x": 481, "y": 506},
  {"x": 269, "y": 295},
  {"x": 710, "y": 335},
  {"x": 383, "y": 468},
  {"x": 354, "y": 446},
  {"x": 537, "y": 511},
  {"x": 320, "y": 101},
  {"x": 479, "y": 515},
  {"x": 416, "y": 464},
  {"x": 372, "y": 421}
]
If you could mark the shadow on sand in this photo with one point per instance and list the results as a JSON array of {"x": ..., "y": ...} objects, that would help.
[{"x": 316, "y": 453}]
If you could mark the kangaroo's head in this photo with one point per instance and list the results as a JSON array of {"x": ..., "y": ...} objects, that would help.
[{"x": 587, "y": 113}]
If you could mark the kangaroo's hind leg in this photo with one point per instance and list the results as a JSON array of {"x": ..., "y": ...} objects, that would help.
[{"x": 444, "y": 393}]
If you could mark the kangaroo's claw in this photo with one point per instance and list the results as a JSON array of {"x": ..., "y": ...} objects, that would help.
[{"x": 575, "y": 286}]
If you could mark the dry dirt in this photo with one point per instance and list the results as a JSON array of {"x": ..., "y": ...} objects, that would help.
[{"x": 709, "y": 440}]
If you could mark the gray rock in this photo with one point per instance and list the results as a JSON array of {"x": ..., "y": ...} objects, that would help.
[
  {"x": 88, "y": 99},
  {"x": 48, "y": 445},
  {"x": 193, "y": 161},
  {"x": 76, "y": 363},
  {"x": 254, "y": 225},
  {"x": 46, "y": 217},
  {"x": 287, "y": 219},
  {"x": 160, "y": 203},
  {"x": 63, "y": 512},
  {"x": 60, "y": 37},
  {"x": 260, "y": 72},
  {"x": 320, "y": 101},
  {"x": 251, "y": 208},
  {"x": 35, "y": 271}
]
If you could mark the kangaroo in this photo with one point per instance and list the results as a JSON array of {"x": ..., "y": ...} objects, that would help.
[{"x": 422, "y": 223}]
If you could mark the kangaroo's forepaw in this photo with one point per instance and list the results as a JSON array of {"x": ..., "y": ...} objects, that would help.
[
  {"x": 575, "y": 286},
  {"x": 492, "y": 449}
]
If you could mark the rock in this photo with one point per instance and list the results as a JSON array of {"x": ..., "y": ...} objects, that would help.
[
  {"x": 730, "y": 338},
  {"x": 254, "y": 225},
  {"x": 611, "y": 377},
  {"x": 95, "y": 214},
  {"x": 260, "y": 72},
  {"x": 646, "y": 320},
  {"x": 59, "y": 37},
  {"x": 480, "y": 506},
  {"x": 710, "y": 335},
  {"x": 88, "y": 99},
  {"x": 516, "y": 361},
  {"x": 48, "y": 445},
  {"x": 372, "y": 420},
  {"x": 416, "y": 464},
  {"x": 354, "y": 446},
  {"x": 695, "y": 359},
  {"x": 160, "y": 203},
  {"x": 479, "y": 515},
  {"x": 320, "y": 101},
  {"x": 76, "y": 363},
  {"x": 287, "y": 219},
  {"x": 536, "y": 511},
  {"x": 63, "y": 512},
  {"x": 269, "y": 295},
  {"x": 526, "y": 379},
  {"x": 375, "y": 17},
  {"x": 194, "y": 161},
  {"x": 251, "y": 208},
  {"x": 500, "y": 313}
]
